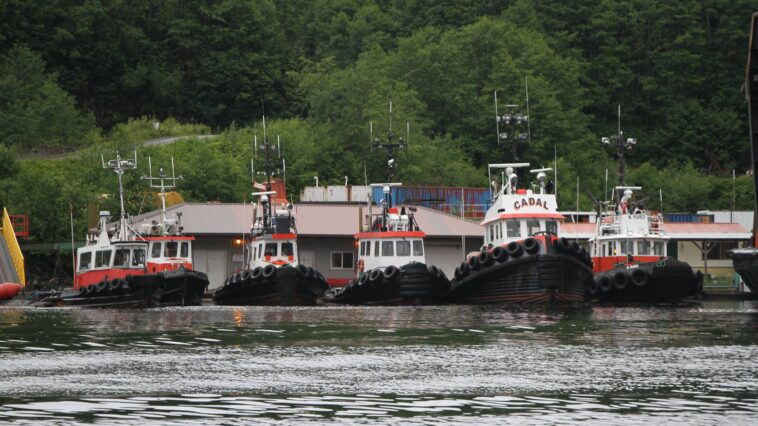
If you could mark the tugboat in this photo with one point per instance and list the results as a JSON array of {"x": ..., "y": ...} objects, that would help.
[
  {"x": 629, "y": 248},
  {"x": 391, "y": 267},
  {"x": 150, "y": 268},
  {"x": 273, "y": 274},
  {"x": 523, "y": 260}
]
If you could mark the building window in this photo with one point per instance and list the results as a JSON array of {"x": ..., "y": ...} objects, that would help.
[
  {"x": 403, "y": 248},
  {"x": 156, "y": 250},
  {"x": 720, "y": 251},
  {"x": 85, "y": 261},
  {"x": 271, "y": 249},
  {"x": 287, "y": 249},
  {"x": 532, "y": 227},
  {"x": 418, "y": 248},
  {"x": 387, "y": 248},
  {"x": 513, "y": 227},
  {"x": 342, "y": 260}
]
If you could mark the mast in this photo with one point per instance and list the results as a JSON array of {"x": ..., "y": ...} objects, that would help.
[
  {"x": 390, "y": 147},
  {"x": 162, "y": 185},
  {"x": 751, "y": 96},
  {"x": 513, "y": 123},
  {"x": 119, "y": 166},
  {"x": 269, "y": 152},
  {"x": 621, "y": 145}
]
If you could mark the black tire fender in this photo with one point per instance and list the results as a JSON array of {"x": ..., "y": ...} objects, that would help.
[
  {"x": 499, "y": 254},
  {"x": 621, "y": 280},
  {"x": 486, "y": 259},
  {"x": 375, "y": 275},
  {"x": 531, "y": 245},
  {"x": 256, "y": 274},
  {"x": 639, "y": 277},
  {"x": 514, "y": 249},
  {"x": 474, "y": 263},
  {"x": 391, "y": 272},
  {"x": 269, "y": 272}
]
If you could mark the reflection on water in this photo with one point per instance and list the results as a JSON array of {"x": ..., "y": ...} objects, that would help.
[{"x": 444, "y": 364}]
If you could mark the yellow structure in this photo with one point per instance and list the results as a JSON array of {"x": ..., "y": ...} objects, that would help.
[{"x": 11, "y": 242}]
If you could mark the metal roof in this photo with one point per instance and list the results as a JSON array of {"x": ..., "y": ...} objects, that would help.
[
  {"x": 676, "y": 231},
  {"x": 311, "y": 219}
]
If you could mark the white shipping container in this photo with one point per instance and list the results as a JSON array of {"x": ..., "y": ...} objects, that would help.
[
  {"x": 359, "y": 193},
  {"x": 313, "y": 194},
  {"x": 336, "y": 193}
]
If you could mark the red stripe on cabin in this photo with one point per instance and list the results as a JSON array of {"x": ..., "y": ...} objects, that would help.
[
  {"x": 527, "y": 216},
  {"x": 283, "y": 236},
  {"x": 390, "y": 234}
]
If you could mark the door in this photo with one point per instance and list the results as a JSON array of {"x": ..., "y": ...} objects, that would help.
[
  {"x": 215, "y": 267},
  {"x": 306, "y": 257}
]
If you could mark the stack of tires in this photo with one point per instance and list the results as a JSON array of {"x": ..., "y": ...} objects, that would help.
[
  {"x": 665, "y": 281},
  {"x": 113, "y": 287},
  {"x": 414, "y": 283},
  {"x": 511, "y": 251}
]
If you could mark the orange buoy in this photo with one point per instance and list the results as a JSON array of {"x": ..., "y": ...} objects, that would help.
[{"x": 8, "y": 290}]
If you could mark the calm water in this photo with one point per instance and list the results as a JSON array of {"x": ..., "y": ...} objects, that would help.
[{"x": 214, "y": 365}]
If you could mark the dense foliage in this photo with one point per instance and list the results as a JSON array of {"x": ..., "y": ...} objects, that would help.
[{"x": 101, "y": 73}]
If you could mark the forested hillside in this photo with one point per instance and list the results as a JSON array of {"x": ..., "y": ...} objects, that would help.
[{"x": 73, "y": 75}]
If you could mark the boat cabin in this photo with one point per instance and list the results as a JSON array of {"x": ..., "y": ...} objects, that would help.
[
  {"x": 627, "y": 233},
  {"x": 274, "y": 238},
  {"x": 393, "y": 239},
  {"x": 518, "y": 213},
  {"x": 104, "y": 259}
]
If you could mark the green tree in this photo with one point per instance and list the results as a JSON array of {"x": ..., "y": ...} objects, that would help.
[{"x": 34, "y": 111}]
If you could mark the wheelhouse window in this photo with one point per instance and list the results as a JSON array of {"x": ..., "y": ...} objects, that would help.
[
  {"x": 287, "y": 249},
  {"x": 138, "y": 257},
  {"x": 376, "y": 248},
  {"x": 102, "y": 258},
  {"x": 643, "y": 247},
  {"x": 171, "y": 249},
  {"x": 387, "y": 248},
  {"x": 121, "y": 258},
  {"x": 551, "y": 226},
  {"x": 403, "y": 248},
  {"x": 342, "y": 260},
  {"x": 260, "y": 250},
  {"x": 271, "y": 249},
  {"x": 155, "y": 251},
  {"x": 85, "y": 261},
  {"x": 658, "y": 248},
  {"x": 184, "y": 251},
  {"x": 492, "y": 232},
  {"x": 623, "y": 248},
  {"x": 532, "y": 227},
  {"x": 513, "y": 227},
  {"x": 418, "y": 248}
]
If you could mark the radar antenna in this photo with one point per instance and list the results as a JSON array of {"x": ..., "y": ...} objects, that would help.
[{"x": 162, "y": 182}]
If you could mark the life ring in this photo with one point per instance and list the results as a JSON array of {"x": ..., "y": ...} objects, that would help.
[{"x": 361, "y": 265}]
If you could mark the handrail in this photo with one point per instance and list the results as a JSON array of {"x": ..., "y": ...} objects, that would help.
[{"x": 16, "y": 256}]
